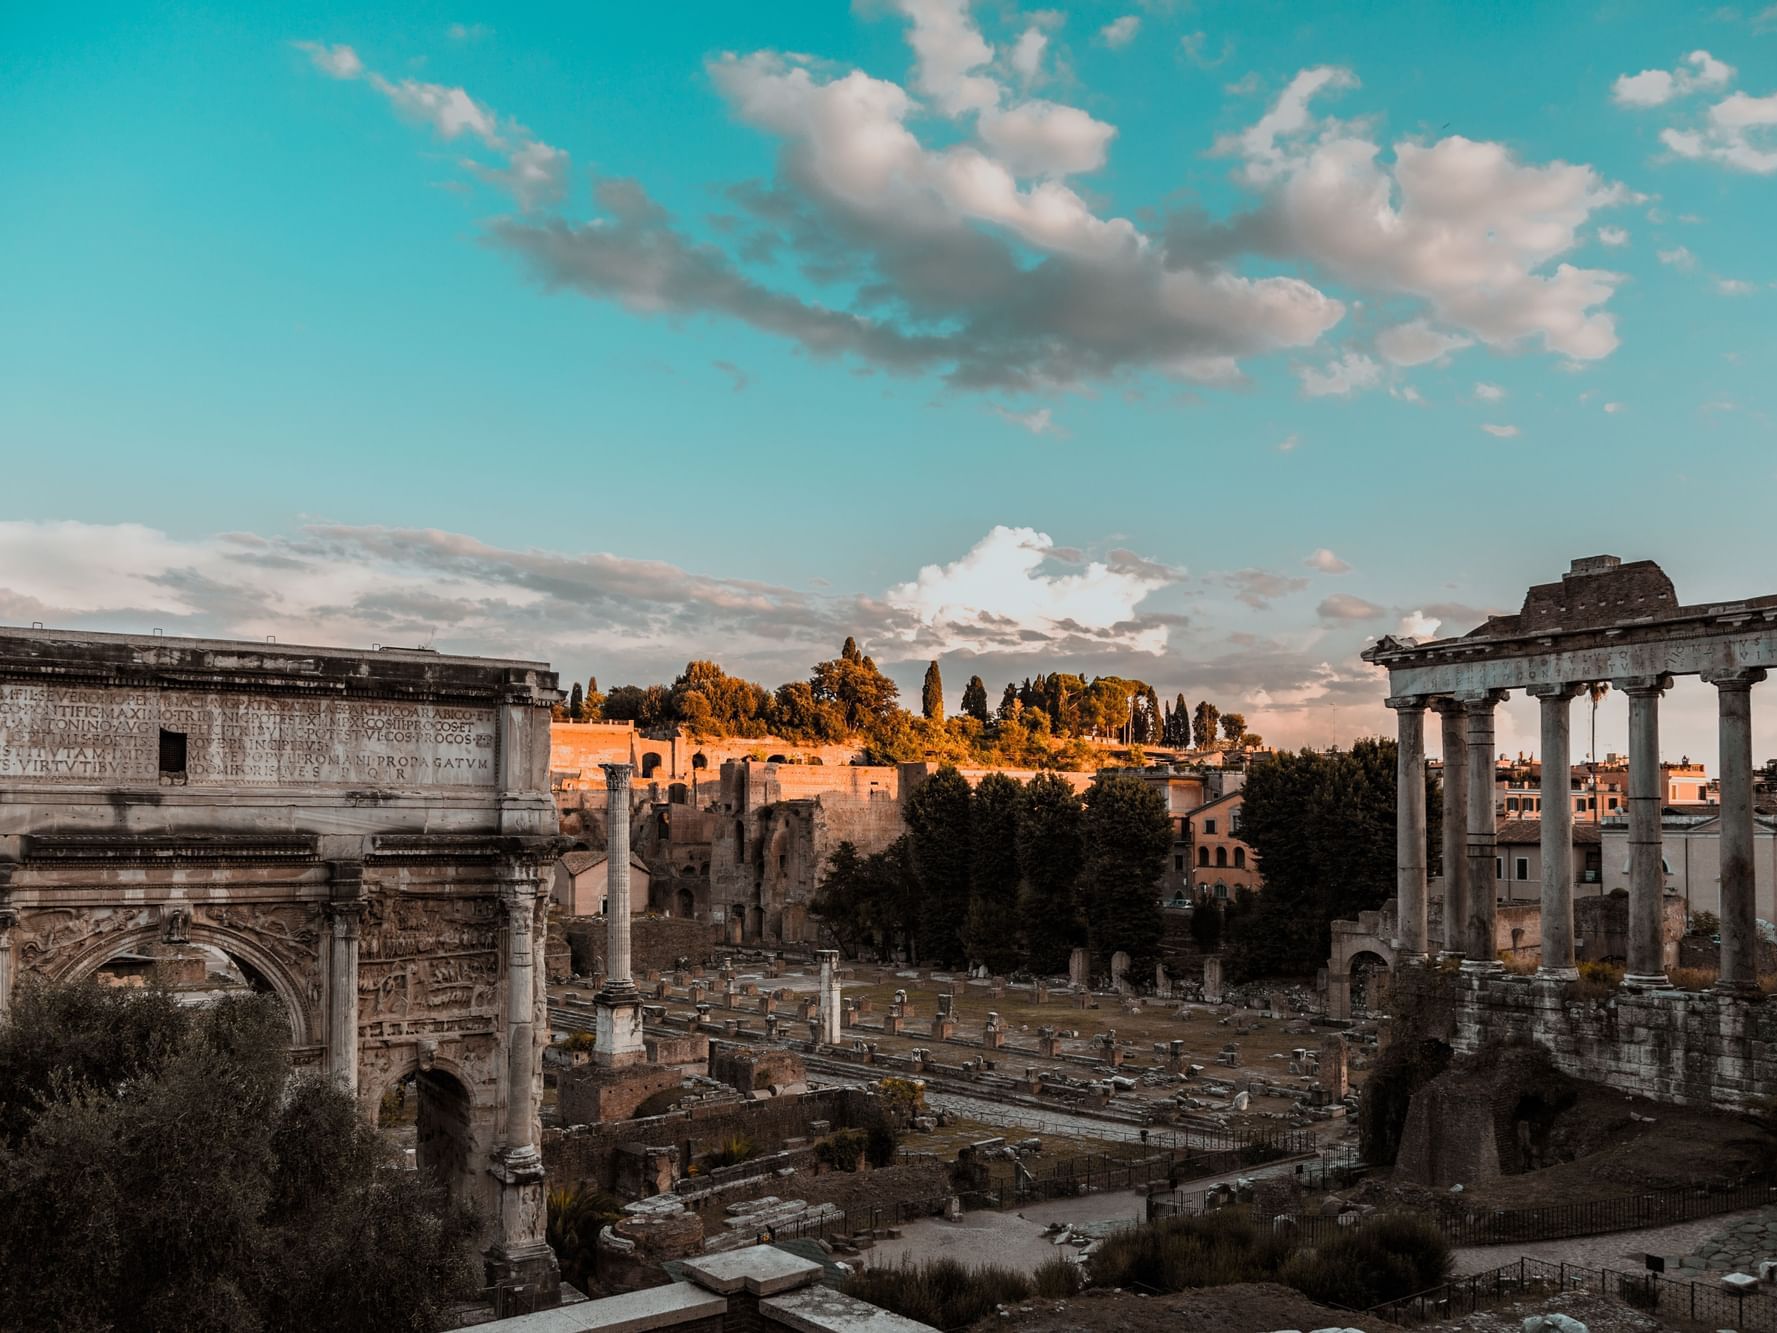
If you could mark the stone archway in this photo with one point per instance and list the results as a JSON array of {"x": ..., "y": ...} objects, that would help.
[{"x": 1369, "y": 939}]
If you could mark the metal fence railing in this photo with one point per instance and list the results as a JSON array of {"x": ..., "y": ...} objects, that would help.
[{"x": 1705, "y": 1304}]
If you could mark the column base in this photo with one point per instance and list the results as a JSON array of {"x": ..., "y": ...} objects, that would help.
[
  {"x": 1452, "y": 956},
  {"x": 1739, "y": 990},
  {"x": 618, "y": 1040},
  {"x": 1567, "y": 973},
  {"x": 1649, "y": 982},
  {"x": 1487, "y": 967},
  {"x": 523, "y": 1278}
]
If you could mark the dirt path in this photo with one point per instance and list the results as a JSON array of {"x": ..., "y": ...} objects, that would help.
[{"x": 1622, "y": 1250}]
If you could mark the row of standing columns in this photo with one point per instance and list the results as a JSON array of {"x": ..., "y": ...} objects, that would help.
[{"x": 1469, "y": 833}]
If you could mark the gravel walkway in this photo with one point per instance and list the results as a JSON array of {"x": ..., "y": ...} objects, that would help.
[{"x": 1619, "y": 1249}]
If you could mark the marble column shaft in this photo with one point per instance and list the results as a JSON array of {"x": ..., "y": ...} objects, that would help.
[
  {"x": 342, "y": 995},
  {"x": 1557, "y": 830},
  {"x": 617, "y": 965},
  {"x": 8, "y": 919},
  {"x": 1455, "y": 841},
  {"x": 520, "y": 898},
  {"x": 1647, "y": 879},
  {"x": 1482, "y": 830},
  {"x": 1410, "y": 824},
  {"x": 1739, "y": 896},
  {"x": 827, "y": 1002}
]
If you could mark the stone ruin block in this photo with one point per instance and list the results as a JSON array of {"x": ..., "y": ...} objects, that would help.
[
  {"x": 943, "y": 1028},
  {"x": 1040, "y": 993},
  {"x": 892, "y": 1023},
  {"x": 1048, "y": 1043},
  {"x": 993, "y": 1035}
]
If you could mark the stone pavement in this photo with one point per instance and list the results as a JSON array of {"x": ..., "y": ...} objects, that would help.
[
  {"x": 1621, "y": 1250},
  {"x": 1738, "y": 1246}
]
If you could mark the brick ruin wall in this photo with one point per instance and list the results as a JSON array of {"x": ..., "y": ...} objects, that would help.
[
  {"x": 655, "y": 943},
  {"x": 588, "y": 1153}
]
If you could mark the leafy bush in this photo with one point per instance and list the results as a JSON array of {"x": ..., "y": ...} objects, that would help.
[
  {"x": 842, "y": 1149},
  {"x": 1692, "y": 978},
  {"x": 576, "y": 1216},
  {"x": 1384, "y": 1259},
  {"x": 940, "y": 1292},
  {"x": 1598, "y": 981},
  {"x": 881, "y": 1145},
  {"x": 1704, "y": 923},
  {"x": 581, "y": 1041},
  {"x": 1058, "y": 1278},
  {"x": 1207, "y": 1251},
  {"x": 902, "y": 1098},
  {"x": 736, "y": 1148}
]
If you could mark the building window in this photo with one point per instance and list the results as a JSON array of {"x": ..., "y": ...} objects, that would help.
[
  {"x": 1221, "y": 890},
  {"x": 1511, "y": 803},
  {"x": 1178, "y": 862},
  {"x": 1209, "y": 826},
  {"x": 1203, "y": 856},
  {"x": 1499, "y": 867},
  {"x": 1523, "y": 867},
  {"x": 1221, "y": 856},
  {"x": 172, "y": 753},
  {"x": 1240, "y": 858}
]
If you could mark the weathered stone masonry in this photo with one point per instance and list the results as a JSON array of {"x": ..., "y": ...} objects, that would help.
[{"x": 363, "y": 833}]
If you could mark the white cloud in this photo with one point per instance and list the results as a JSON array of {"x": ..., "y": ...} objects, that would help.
[
  {"x": 1027, "y": 55},
  {"x": 1351, "y": 373},
  {"x": 1734, "y": 287},
  {"x": 1407, "y": 394},
  {"x": 1488, "y": 393},
  {"x": 1678, "y": 257},
  {"x": 1288, "y": 444},
  {"x": 468, "y": 32},
  {"x": 535, "y": 175},
  {"x": 449, "y": 111},
  {"x": 1656, "y": 87},
  {"x": 1326, "y": 562},
  {"x": 1613, "y": 236},
  {"x": 1416, "y": 342},
  {"x": 1258, "y": 588},
  {"x": 1613, "y": 408},
  {"x": 1119, "y": 32},
  {"x": 1458, "y": 223},
  {"x": 1038, "y": 138},
  {"x": 1343, "y": 606},
  {"x": 339, "y": 62},
  {"x": 1038, "y": 421},
  {"x": 948, "y": 49},
  {"x": 970, "y": 604},
  {"x": 1502, "y": 432},
  {"x": 1418, "y": 625}
]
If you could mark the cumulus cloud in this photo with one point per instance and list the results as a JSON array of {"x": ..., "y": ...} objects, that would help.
[
  {"x": 1343, "y": 606},
  {"x": 1027, "y": 55},
  {"x": 1613, "y": 408},
  {"x": 1351, "y": 373},
  {"x": 1489, "y": 393},
  {"x": 1655, "y": 87},
  {"x": 1501, "y": 432},
  {"x": 1677, "y": 257},
  {"x": 1258, "y": 588},
  {"x": 1613, "y": 236},
  {"x": 1001, "y": 591},
  {"x": 1739, "y": 131},
  {"x": 1459, "y": 224},
  {"x": 1734, "y": 287},
  {"x": 1326, "y": 562},
  {"x": 339, "y": 62},
  {"x": 1416, "y": 342},
  {"x": 1038, "y": 421},
  {"x": 1119, "y": 32}
]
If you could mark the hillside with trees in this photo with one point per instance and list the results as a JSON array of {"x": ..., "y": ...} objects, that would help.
[{"x": 1045, "y": 721}]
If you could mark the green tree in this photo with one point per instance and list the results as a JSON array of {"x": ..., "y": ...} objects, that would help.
[
  {"x": 592, "y": 703},
  {"x": 576, "y": 701},
  {"x": 1181, "y": 724},
  {"x": 975, "y": 699},
  {"x": 160, "y": 1170},
  {"x": 1233, "y": 727},
  {"x": 1050, "y": 854},
  {"x": 991, "y": 933},
  {"x": 865, "y": 697},
  {"x": 1203, "y": 725},
  {"x": 938, "y": 814},
  {"x": 1127, "y": 838},
  {"x": 1010, "y": 705},
  {"x": 1206, "y": 924},
  {"x": 931, "y": 695},
  {"x": 1322, "y": 824}
]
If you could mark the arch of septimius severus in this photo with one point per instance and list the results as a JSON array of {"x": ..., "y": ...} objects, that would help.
[
  {"x": 362, "y": 833},
  {"x": 1603, "y": 621}
]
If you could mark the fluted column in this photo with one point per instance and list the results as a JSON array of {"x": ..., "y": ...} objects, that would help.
[
  {"x": 1483, "y": 832},
  {"x": 519, "y": 896},
  {"x": 345, "y": 910},
  {"x": 1739, "y": 897},
  {"x": 1557, "y": 831},
  {"x": 8, "y": 919},
  {"x": 1647, "y": 879},
  {"x": 1455, "y": 840},
  {"x": 1410, "y": 824}
]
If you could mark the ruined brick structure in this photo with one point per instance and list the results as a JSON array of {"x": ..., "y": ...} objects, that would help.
[{"x": 363, "y": 835}]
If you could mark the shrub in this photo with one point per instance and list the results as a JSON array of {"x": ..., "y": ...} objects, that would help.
[
  {"x": 1692, "y": 978},
  {"x": 736, "y": 1148},
  {"x": 581, "y": 1041},
  {"x": 902, "y": 1098},
  {"x": 1386, "y": 1258},
  {"x": 1058, "y": 1278},
  {"x": 1598, "y": 981},
  {"x": 841, "y": 1149},
  {"x": 1519, "y": 967},
  {"x": 881, "y": 1145},
  {"x": 1704, "y": 923},
  {"x": 940, "y": 1292},
  {"x": 1207, "y": 1251}
]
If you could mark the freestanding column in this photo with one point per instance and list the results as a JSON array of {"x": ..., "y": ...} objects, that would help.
[
  {"x": 1739, "y": 898},
  {"x": 1456, "y": 870},
  {"x": 1647, "y": 880},
  {"x": 1483, "y": 879},
  {"x": 1409, "y": 852},
  {"x": 1557, "y": 829},
  {"x": 345, "y": 907},
  {"x": 827, "y": 1002},
  {"x": 619, "y": 1003},
  {"x": 8, "y": 919}
]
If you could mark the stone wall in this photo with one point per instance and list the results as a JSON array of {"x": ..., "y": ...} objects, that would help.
[
  {"x": 589, "y": 1152},
  {"x": 655, "y": 943},
  {"x": 1696, "y": 1048}
]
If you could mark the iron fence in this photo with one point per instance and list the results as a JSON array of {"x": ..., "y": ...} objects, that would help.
[{"x": 1707, "y": 1304}]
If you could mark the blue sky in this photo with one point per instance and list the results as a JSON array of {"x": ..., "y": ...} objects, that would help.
[{"x": 1153, "y": 338}]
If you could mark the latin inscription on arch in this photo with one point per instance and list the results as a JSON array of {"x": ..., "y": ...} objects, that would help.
[{"x": 81, "y": 734}]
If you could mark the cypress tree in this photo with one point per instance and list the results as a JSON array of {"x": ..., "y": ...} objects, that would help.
[{"x": 931, "y": 695}]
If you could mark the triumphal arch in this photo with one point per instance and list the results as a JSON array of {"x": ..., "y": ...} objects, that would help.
[
  {"x": 362, "y": 833},
  {"x": 1621, "y": 623}
]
